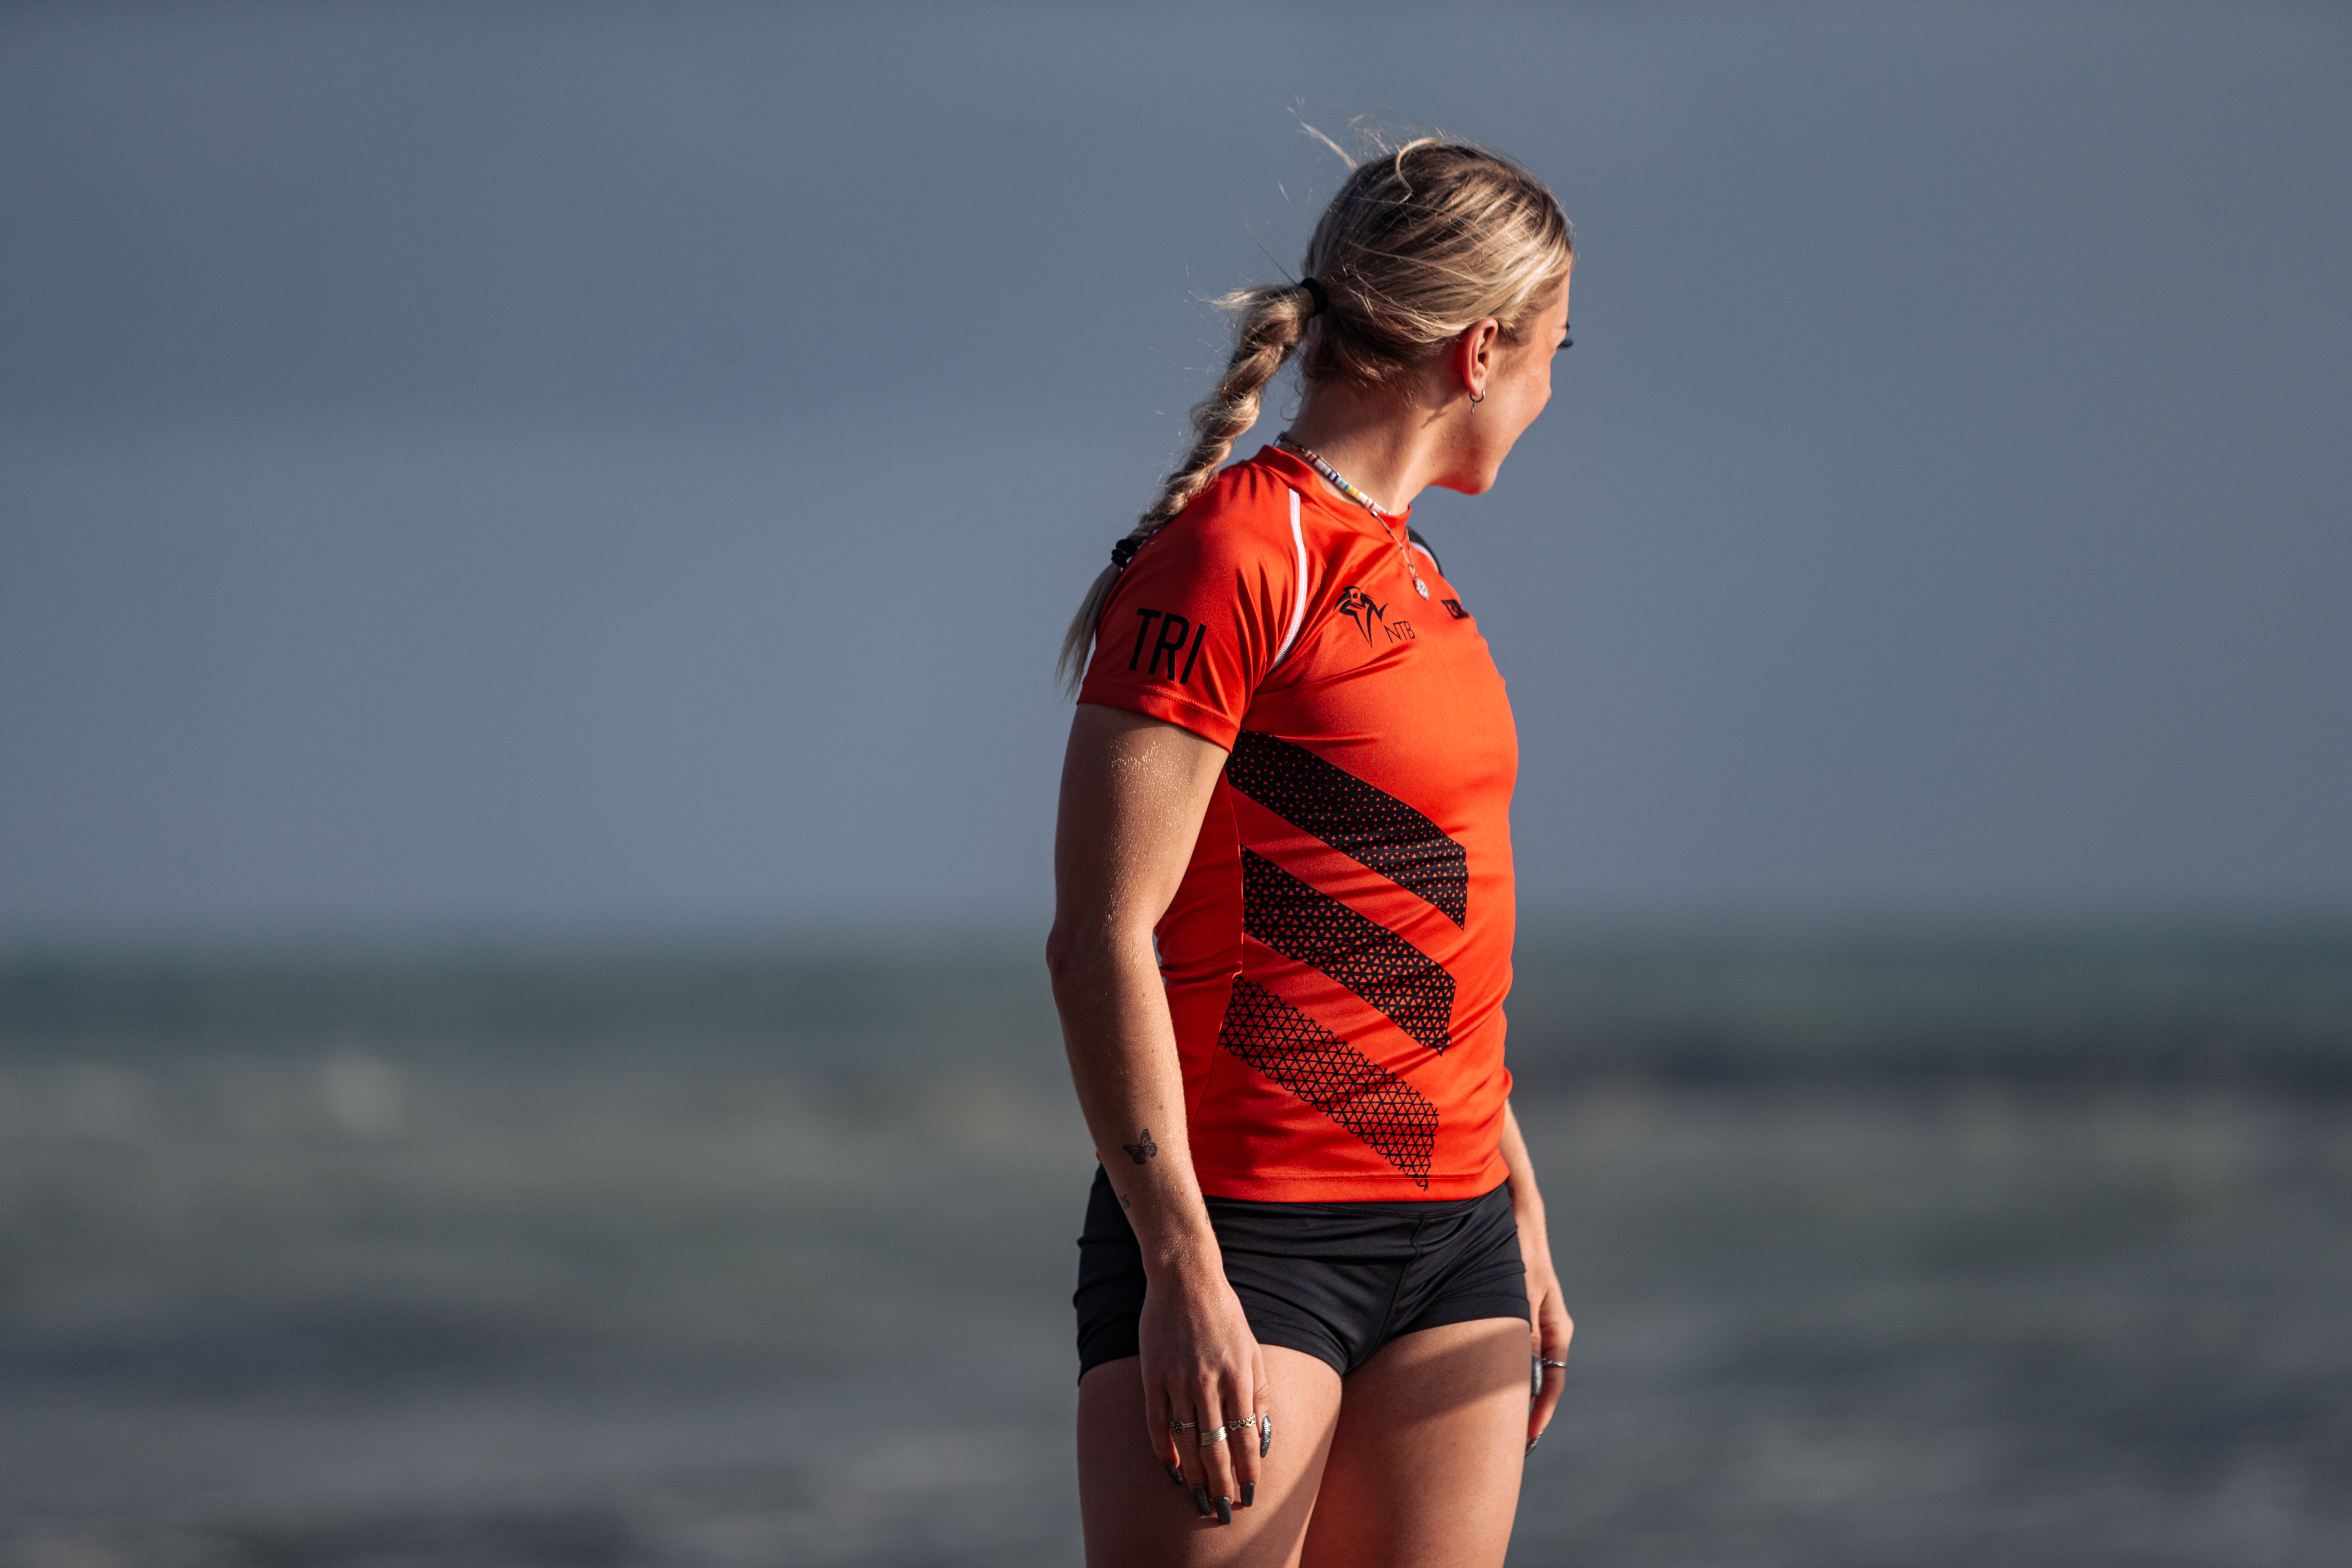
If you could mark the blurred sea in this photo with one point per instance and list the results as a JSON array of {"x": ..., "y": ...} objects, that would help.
[{"x": 1905, "y": 1247}]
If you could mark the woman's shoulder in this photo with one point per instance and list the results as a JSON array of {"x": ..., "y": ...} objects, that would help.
[{"x": 1246, "y": 506}]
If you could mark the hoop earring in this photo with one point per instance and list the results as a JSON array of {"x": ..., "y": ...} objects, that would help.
[{"x": 1476, "y": 399}]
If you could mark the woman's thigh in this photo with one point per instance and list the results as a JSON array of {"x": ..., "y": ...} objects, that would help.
[
  {"x": 1423, "y": 1470},
  {"x": 1136, "y": 1518}
]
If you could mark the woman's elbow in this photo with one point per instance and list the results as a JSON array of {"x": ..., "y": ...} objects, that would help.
[
  {"x": 1058, "y": 955},
  {"x": 1074, "y": 957},
  {"x": 1068, "y": 954}
]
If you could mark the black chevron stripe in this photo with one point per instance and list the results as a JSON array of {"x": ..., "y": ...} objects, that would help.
[
  {"x": 1389, "y": 1114},
  {"x": 1361, "y": 821},
  {"x": 1311, "y": 926}
]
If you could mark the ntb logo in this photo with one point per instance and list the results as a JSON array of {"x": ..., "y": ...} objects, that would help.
[{"x": 1360, "y": 607}]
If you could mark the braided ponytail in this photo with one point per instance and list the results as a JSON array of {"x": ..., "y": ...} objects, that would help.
[{"x": 1272, "y": 323}]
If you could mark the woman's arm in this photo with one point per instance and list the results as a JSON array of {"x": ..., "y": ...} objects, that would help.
[
  {"x": 1551, "y": 1327},
  {"x": 1134, "y": 791}
]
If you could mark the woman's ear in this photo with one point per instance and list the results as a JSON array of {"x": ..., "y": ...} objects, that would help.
[{"x": 1473, "y": 355}]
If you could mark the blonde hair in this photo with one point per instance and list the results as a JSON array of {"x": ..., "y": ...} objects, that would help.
[{"x": 1421, "y": 243}]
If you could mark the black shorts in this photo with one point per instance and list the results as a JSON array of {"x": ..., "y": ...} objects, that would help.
[{"x": 1335, "y": 1280}]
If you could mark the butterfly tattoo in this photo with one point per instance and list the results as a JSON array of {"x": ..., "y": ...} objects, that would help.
[{"x": 1139, "y": 1152}]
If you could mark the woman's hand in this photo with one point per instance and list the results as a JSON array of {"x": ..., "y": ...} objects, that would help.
[
  {"x": 1549, "y": 1327},
  {"x": 1201, "y": 1366}
]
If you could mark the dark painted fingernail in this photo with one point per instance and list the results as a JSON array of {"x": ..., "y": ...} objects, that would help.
[
  {"x": 1224, "y": 1510},
  {"x": 1249, "y": 1494},
  {"x": 1175, "y": 1471},
  {"x": 1265, "y": 1435},
  {"x": 1200, "y": 1498}
]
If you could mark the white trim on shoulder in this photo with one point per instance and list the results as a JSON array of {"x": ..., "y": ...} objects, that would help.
[{"x": 1298, "y": 615}]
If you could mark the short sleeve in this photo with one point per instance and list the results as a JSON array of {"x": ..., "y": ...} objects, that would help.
[{"x": 1203, "y": 614}]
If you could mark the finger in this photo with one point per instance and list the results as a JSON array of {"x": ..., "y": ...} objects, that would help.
[
  {"x": 1215, "y": 1485},
  {"x": 1156, "y": 1415},
  {"x": 1265, "y": 1412},
  {"x": 1249, "y": 1447},
  {"x": 1557, "y": 1329},
  {"x": 1241, "y": 1446},
  {"x": 1539, "y": 1413},
  {"x": 1539, "y": 1374}
]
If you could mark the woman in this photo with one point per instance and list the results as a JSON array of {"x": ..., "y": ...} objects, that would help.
[{"x": 1313, "y": 1266}]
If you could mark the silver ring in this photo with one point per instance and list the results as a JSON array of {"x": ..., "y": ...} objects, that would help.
[
  {"x": 1212, "y": 1434},
  {"x": 1180, "y": 1427},
  {"x": 1547, "y": 1360},
  {"x": 1246, "y": 1424}
]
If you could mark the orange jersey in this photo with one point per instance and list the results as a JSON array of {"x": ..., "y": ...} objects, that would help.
[{"x": 1339, "y": 951}]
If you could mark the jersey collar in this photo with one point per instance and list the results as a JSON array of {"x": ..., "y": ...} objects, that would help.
[{"x": 1309, "y": 484}]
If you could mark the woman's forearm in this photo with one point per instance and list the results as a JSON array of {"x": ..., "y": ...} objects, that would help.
[
  {"x": 1527, "y": 1199},
  {"x": 1130, "y": 1088}
]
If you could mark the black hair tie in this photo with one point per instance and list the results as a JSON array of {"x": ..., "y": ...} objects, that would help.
[
  {"x": 1322, "y": 300},
  {"x": 1124, "y": 551}
]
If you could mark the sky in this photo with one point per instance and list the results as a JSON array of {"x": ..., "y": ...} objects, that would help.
[{"x": 516, "y": 469}]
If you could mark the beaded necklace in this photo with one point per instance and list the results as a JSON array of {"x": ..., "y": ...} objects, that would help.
[{"x": 1380, "y": 514}]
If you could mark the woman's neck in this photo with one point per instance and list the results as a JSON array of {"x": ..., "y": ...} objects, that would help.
[{"x": 1386, "y": 442}]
